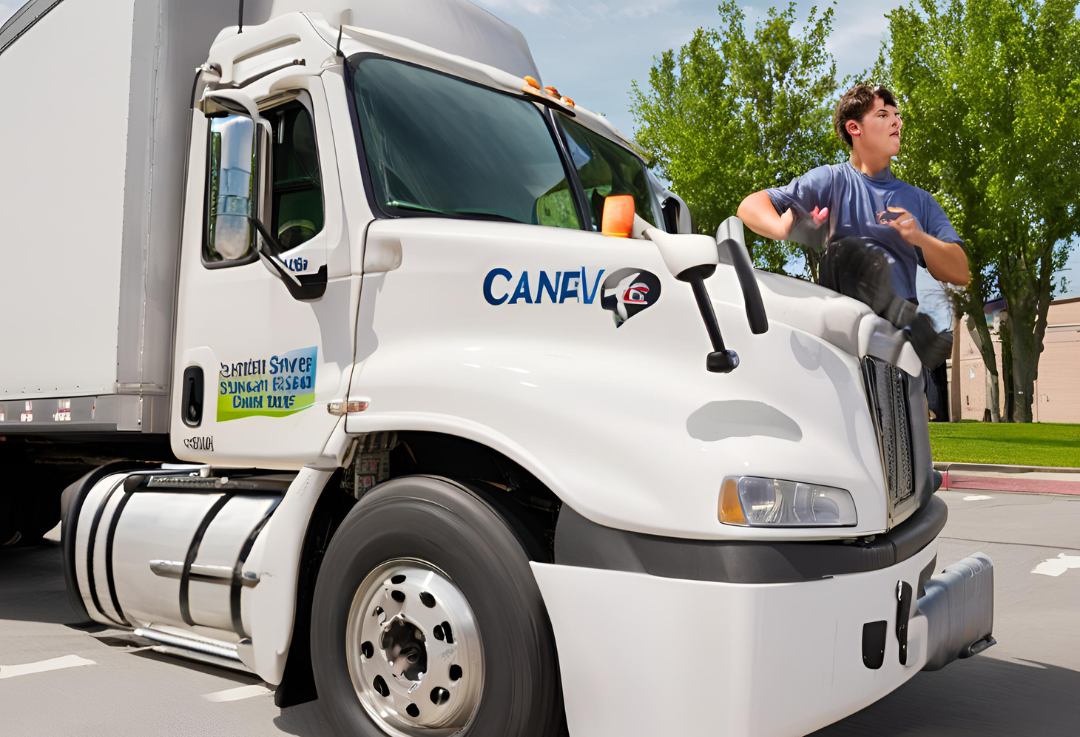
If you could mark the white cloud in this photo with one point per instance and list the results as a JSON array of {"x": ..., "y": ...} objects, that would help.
[
  {"x": 536, "y": 7},
  {"x": 631, "y": 9}
]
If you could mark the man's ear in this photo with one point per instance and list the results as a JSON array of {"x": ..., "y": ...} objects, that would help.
[{"x": 853, "y": 128}]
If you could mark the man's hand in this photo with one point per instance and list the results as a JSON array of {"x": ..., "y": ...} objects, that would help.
[
  {"x": 903, "y": 223},
  {"x": 946, "y": 262},
  {"x": 820, "y": 216}
]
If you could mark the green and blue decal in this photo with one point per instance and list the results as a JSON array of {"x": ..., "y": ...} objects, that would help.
[{"x": 277, "y": 386}]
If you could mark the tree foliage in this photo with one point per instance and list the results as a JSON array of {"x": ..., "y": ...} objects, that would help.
[
  {"x": 990, "y": 91},
  {"x": 728, "y": 114}
]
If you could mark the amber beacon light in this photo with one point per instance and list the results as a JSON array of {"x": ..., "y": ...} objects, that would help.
[{"x": 618, "y": 219}]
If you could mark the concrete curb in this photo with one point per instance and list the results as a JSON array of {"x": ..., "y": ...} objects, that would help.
[
  {"x": 1013, "y": 479},
  {"x": 1001, "y": 468}
]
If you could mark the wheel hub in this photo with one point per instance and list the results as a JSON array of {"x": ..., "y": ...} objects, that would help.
[{"x": 414, "y": 651}]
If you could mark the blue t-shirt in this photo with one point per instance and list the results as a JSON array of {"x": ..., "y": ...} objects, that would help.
[{"x": 854, "y": 201}]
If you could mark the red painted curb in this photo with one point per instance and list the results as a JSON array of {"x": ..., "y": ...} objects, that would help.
[{"x": 1021, "y": 485}]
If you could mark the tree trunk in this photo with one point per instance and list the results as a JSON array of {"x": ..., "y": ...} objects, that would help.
[
  {"x": 1026, "y": 350},
  {"x": 993, "y": 391},
  {"x": 955, "y": 407},
  {"x": 1005, "y": 331},
  {"x": 1028, "y": 290}
]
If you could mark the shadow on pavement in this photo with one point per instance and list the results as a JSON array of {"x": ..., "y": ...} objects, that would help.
[
  {"x": 304, "y": 720},
  {"x": 981, "y": 696},
  {"x": 32, "y": 587}
]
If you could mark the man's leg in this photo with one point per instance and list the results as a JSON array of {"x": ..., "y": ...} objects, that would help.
[{"x": 861, "y": 270}]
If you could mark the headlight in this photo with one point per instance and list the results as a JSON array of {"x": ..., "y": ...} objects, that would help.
[{"x": 756, "y": 502}]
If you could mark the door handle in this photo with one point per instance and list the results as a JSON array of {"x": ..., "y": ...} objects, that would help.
[{"x": 192, "y": 405}]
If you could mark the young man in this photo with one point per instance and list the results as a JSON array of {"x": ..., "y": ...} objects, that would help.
[{"x": 861, "y": 199}]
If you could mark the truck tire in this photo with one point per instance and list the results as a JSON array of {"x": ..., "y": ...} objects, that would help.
[{"x": 427, "y": 620}]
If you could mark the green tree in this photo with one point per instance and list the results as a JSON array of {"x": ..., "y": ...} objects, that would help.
[
  {"x": 727, "y": 115},
  {"x": 990, "y": 91}
]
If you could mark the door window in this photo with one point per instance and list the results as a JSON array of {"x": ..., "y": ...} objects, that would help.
[
  {"x": 439, "y": 145},
  {"x": 296, "y": 198},
  {"x": 606, "y": 168}
]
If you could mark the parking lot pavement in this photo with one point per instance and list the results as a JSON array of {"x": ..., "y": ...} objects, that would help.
[
  {"x": 94, "y": 681},
  {"x": 124, "y": 689}
]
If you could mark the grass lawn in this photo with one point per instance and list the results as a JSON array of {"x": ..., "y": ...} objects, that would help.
[{"x": 1013, "y": 444}]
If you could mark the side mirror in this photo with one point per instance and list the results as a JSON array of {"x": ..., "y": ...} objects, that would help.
[
  {"x": 692, "y": 259},
  {"x": 233, "y": 194},
  {"x": 239, "y": 165}
]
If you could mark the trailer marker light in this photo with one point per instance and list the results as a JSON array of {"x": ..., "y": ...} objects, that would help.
[{"x": 531, "y": 81}]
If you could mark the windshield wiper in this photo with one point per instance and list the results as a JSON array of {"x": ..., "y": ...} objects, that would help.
[{"x": 482, "y": 214}]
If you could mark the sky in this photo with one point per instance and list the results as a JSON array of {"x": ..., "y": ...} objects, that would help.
[{"x": 593, "y": 51}]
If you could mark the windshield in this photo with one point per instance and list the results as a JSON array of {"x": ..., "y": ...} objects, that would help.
[
  {"x": 441, "y": 145},
  {"x": 606, "y": 168}
]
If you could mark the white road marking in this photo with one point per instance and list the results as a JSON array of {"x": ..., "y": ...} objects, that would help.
[
  {"x": 68, "y": 661},
  {"x": 1057, "y": 566},
  {"x": 976, "y": 498},
  {"x": 235, "y": 694}
]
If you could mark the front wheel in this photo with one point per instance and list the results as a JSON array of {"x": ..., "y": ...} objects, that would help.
[{"x": 427, "y": 620}]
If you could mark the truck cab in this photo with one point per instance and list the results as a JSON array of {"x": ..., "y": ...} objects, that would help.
[{"x": 468, "y": 428}]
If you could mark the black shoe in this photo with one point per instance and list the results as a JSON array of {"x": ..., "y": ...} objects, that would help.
[{"x": 931, "y": 346}]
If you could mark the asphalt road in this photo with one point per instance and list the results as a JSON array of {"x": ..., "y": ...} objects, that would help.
[{"x": 1027, "y": 685}]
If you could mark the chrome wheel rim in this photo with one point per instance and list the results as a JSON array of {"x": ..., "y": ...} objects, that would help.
[{"x": 414, "y": 651}]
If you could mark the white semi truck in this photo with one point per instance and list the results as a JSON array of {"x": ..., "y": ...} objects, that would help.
[{"x": 319, "y": 312}]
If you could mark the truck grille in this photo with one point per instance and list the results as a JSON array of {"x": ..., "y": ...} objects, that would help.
[{"x": 887, "y": 392}]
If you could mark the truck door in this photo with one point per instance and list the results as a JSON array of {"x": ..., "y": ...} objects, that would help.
[{"x": 256, "y": 362}]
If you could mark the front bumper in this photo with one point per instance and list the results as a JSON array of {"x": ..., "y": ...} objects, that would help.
[{"x": 651, "y": 655}]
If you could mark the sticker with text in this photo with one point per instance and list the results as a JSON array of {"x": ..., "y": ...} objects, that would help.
[{"x": 277, "y": 386}]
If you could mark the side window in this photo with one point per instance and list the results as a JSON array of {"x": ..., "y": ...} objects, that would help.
[
  {"x": 274, "y": 175},
  {"x": 606, "y": 168},
  {"x": 296, "y": 198}
]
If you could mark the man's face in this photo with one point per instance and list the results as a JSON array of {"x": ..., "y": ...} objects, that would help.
[{"x": 878, "y": 133}]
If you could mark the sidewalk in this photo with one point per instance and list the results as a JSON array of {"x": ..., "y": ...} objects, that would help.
[{"x": 1030, "y": 479}]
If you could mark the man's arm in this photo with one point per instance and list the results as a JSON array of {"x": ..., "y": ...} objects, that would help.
[
  {"x": 945, "y": 261},
  {"x": 758, "y": 213}
]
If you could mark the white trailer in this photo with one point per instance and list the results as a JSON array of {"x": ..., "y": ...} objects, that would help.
[{"x": 328, "y": 305}]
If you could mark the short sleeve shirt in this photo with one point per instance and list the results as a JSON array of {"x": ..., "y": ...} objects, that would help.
[{"x": 854, "y": 201}]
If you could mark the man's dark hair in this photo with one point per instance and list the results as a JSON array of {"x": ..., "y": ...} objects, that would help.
[{"x": 854, "y": 104}]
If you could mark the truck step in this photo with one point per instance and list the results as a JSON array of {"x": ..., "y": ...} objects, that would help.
[{"x": 193, "y": 647}]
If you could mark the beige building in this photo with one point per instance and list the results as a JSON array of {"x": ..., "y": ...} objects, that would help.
[{"x": 1057, "y": 391}]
